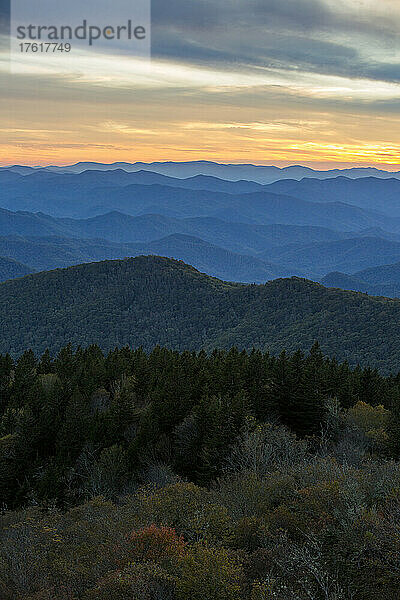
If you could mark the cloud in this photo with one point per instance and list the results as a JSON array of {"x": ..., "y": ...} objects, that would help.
[
  {"x": 310, "y": 35},
  {"x": 291, "y": 14},
  {"x": 4, "y": 16},
  {"x": 230, "y": 80}
]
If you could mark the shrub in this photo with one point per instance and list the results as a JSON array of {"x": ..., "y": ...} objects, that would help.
[
  {"x": 136, "y": 582},
  {"x": 209, "y": 574},
  {"x": 263, "y": 449},
  {"x": 190, "y": 510},
  {"x": 152, "y": 544}
]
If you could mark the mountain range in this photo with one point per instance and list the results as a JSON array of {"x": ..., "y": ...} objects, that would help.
[
  {"x": 232, "y": 223},
  {"x": 44, "y": 253},
  {"x": 258, "y": 173},
  {"x": 74, "y": 200},
  {"x": 370, "y": 193},
  {"x": 118, "y": 227},
  {"x": 237, "y": 230},
  {"x": 318, "y": 259},
  {"x": 247, "y": 253},
  {"x": 338, "y": 203},
  {"x": 327, "y": 226}
]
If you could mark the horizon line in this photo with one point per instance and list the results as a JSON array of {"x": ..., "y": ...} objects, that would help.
[{"x": 384, "y": 168}]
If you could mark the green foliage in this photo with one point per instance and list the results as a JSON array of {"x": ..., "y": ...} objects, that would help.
[
  {"x": 151, "y": 300},
  {"x": 85, "y": 424},
  {"x": 190, "y": 510},
  {"x": 209, "y": 574},
  {"x": 180, "y": 476}
]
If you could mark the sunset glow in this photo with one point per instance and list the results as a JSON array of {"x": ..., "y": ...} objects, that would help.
[{"x": 324, "y": 96}]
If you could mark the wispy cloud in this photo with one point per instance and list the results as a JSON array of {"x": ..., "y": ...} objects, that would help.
[{"x": 315, "y": 81}]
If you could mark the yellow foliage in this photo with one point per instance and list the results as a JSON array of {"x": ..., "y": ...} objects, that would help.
[
  {"x": 262, "y": 590},
  {"x": 372, "y": 420},
  {"x": 369, "y": 418},
  {"x": 209, "y": 574}
]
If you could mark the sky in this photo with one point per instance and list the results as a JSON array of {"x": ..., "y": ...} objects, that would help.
[{"x": 312, "y": 82}]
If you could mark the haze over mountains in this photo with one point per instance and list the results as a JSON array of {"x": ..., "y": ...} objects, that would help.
[
  {"x": 371, "y": 193},
  {"x": 53, "y": 252},
  {"x": 345, "y": 255},
  {"x": 376, "y": 281},
  {"x": 233, "y": 172},
  {"x": 236, "y": 222},
  {"x": 82, "y": 196}
]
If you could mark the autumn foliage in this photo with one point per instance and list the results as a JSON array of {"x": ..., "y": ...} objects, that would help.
[{"x": 153, "y": 544}]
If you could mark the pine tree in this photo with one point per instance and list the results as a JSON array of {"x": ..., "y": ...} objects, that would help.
[{"x": 75, "y": 429}]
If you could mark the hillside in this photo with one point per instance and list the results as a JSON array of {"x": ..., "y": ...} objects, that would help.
[
  {"x": 389, "y": 274},
  {"x": 377, "y": 281},
  {"x": 348, "y": 256},
  {"x": 34, "y": 224},
  {"x": 52, "y": 252},
  {"x": 43, "y": 253},
  {"x": 211, "y": 259},
  {"x": 91, "y": 194},
  {"x": 152, "y": 300},
  {"x": 10, "y": 269},
  {"x": 336, "y": 279},
  {"x": 369, "y": 193}
]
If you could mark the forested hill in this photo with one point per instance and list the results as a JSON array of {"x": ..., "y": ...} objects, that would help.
[{"x": 151, "y": 300}]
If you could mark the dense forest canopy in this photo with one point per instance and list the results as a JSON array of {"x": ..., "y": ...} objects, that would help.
[
  {"x": 216, "y": 476},
  {"x": 152, "y": 300}
]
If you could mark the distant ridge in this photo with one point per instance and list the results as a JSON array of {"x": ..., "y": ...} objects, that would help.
[
  {"x": 95, "y": 193},
  {"x": 10, "y": 269},
  {"x": 349, "y": 255},
  {"x": 51, "y": 252},
  {"x": 377, "y": 281},
  {"x": 258, "y": 173},
  {"x": 371, "y": 193}
]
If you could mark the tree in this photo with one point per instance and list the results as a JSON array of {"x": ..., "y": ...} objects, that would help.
[{"x": 209, "y": 574}]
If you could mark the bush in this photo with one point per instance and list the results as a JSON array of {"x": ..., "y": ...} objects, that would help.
[
  {"x": 190, "y": 510},
  {"x": 263, "y": 449},
  {"x": 153, "y": 544},
  {"x": 209, "y": 574},
  {"x": 136, "y": 582}
]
